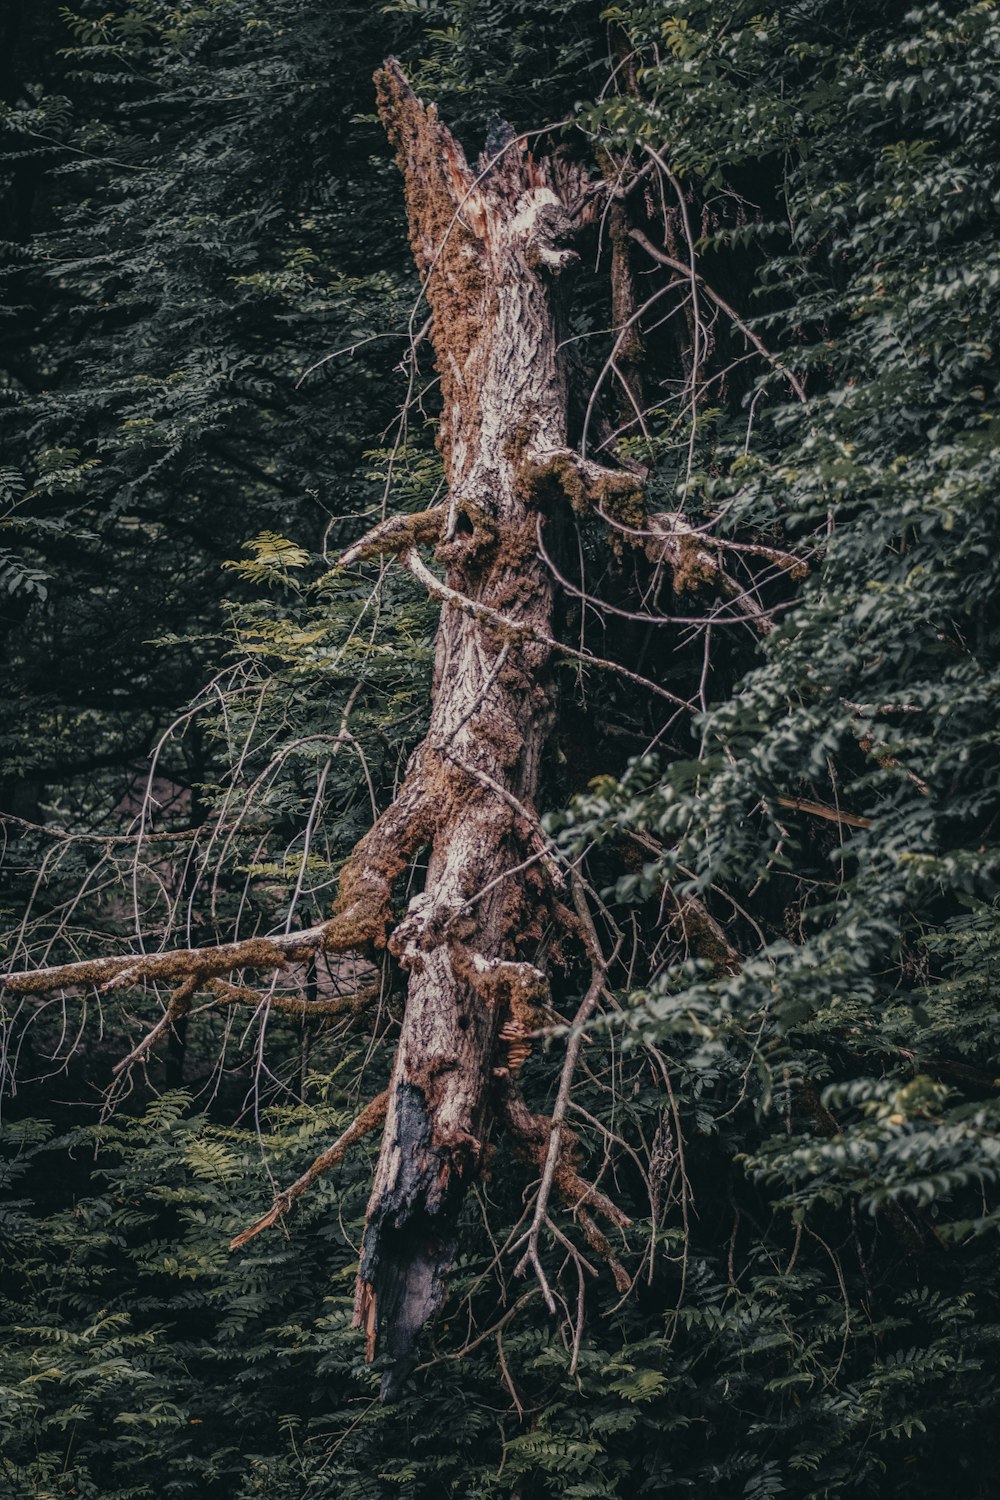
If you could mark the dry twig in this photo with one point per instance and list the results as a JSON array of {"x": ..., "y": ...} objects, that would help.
[{"x": 369, "y": 1119}]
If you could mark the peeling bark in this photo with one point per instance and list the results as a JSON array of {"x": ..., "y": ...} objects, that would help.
[{"x": 488, "y": 245}]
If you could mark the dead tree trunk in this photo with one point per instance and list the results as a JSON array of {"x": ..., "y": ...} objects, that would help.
[{"x": 488, "y": 246}]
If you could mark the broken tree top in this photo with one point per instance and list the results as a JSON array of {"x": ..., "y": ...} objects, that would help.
[{"x": 489, "y": 244}]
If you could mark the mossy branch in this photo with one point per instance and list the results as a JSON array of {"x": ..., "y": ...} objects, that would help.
[
  {"x": 397, "y": 534},
  {"x": 178, "y": 1006},
  {"x": 295, "y": 1005},
  {"x": 125, "y": 971}
]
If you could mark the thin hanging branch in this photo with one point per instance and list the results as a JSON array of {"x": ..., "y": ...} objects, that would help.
[
  {"x": 678, "y": 265},
  {"x": 554, "y": 1163},
  {"x": 370, "y": 1118}
]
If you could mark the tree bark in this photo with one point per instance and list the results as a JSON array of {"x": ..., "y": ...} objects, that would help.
[{"x": 488, "y": 245}]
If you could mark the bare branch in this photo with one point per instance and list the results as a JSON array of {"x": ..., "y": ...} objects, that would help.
[
  {"x": 504, "y": 623},
  {"x": 678, "y": 265},
  {"x": 556, "y": 1169},
  {"x": 820, "y": 810},
  {"x": 370, "y": 1118},
  {"x": 715, "y": 618}
]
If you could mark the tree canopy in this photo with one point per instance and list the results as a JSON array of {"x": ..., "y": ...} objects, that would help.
[{"x": 757, "y": 863}]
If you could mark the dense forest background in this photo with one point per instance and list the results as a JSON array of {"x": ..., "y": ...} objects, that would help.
[{"x": 214, "y": 376}]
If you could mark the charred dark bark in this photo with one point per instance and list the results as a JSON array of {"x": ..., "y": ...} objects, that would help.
[{"x": 409, "y": 1236}]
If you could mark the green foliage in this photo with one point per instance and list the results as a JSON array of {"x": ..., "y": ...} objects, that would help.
[
  {"x": 195, "y": 225},
  {"x": 808, "y": 1143},
  {"x": 857, "y": 1043}
]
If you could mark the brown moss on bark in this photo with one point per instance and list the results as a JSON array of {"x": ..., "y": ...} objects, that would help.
[
  {"x": 585, "y": 485},
  {"x": 445, "y": 216},
  {"x": 530, "y": 1134},
  {"x": 396, "y": 534},
  {"x": 363, "y": 909},
  {"x": 693, "y": 569},
  {"x": 488, "y": 248}
]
